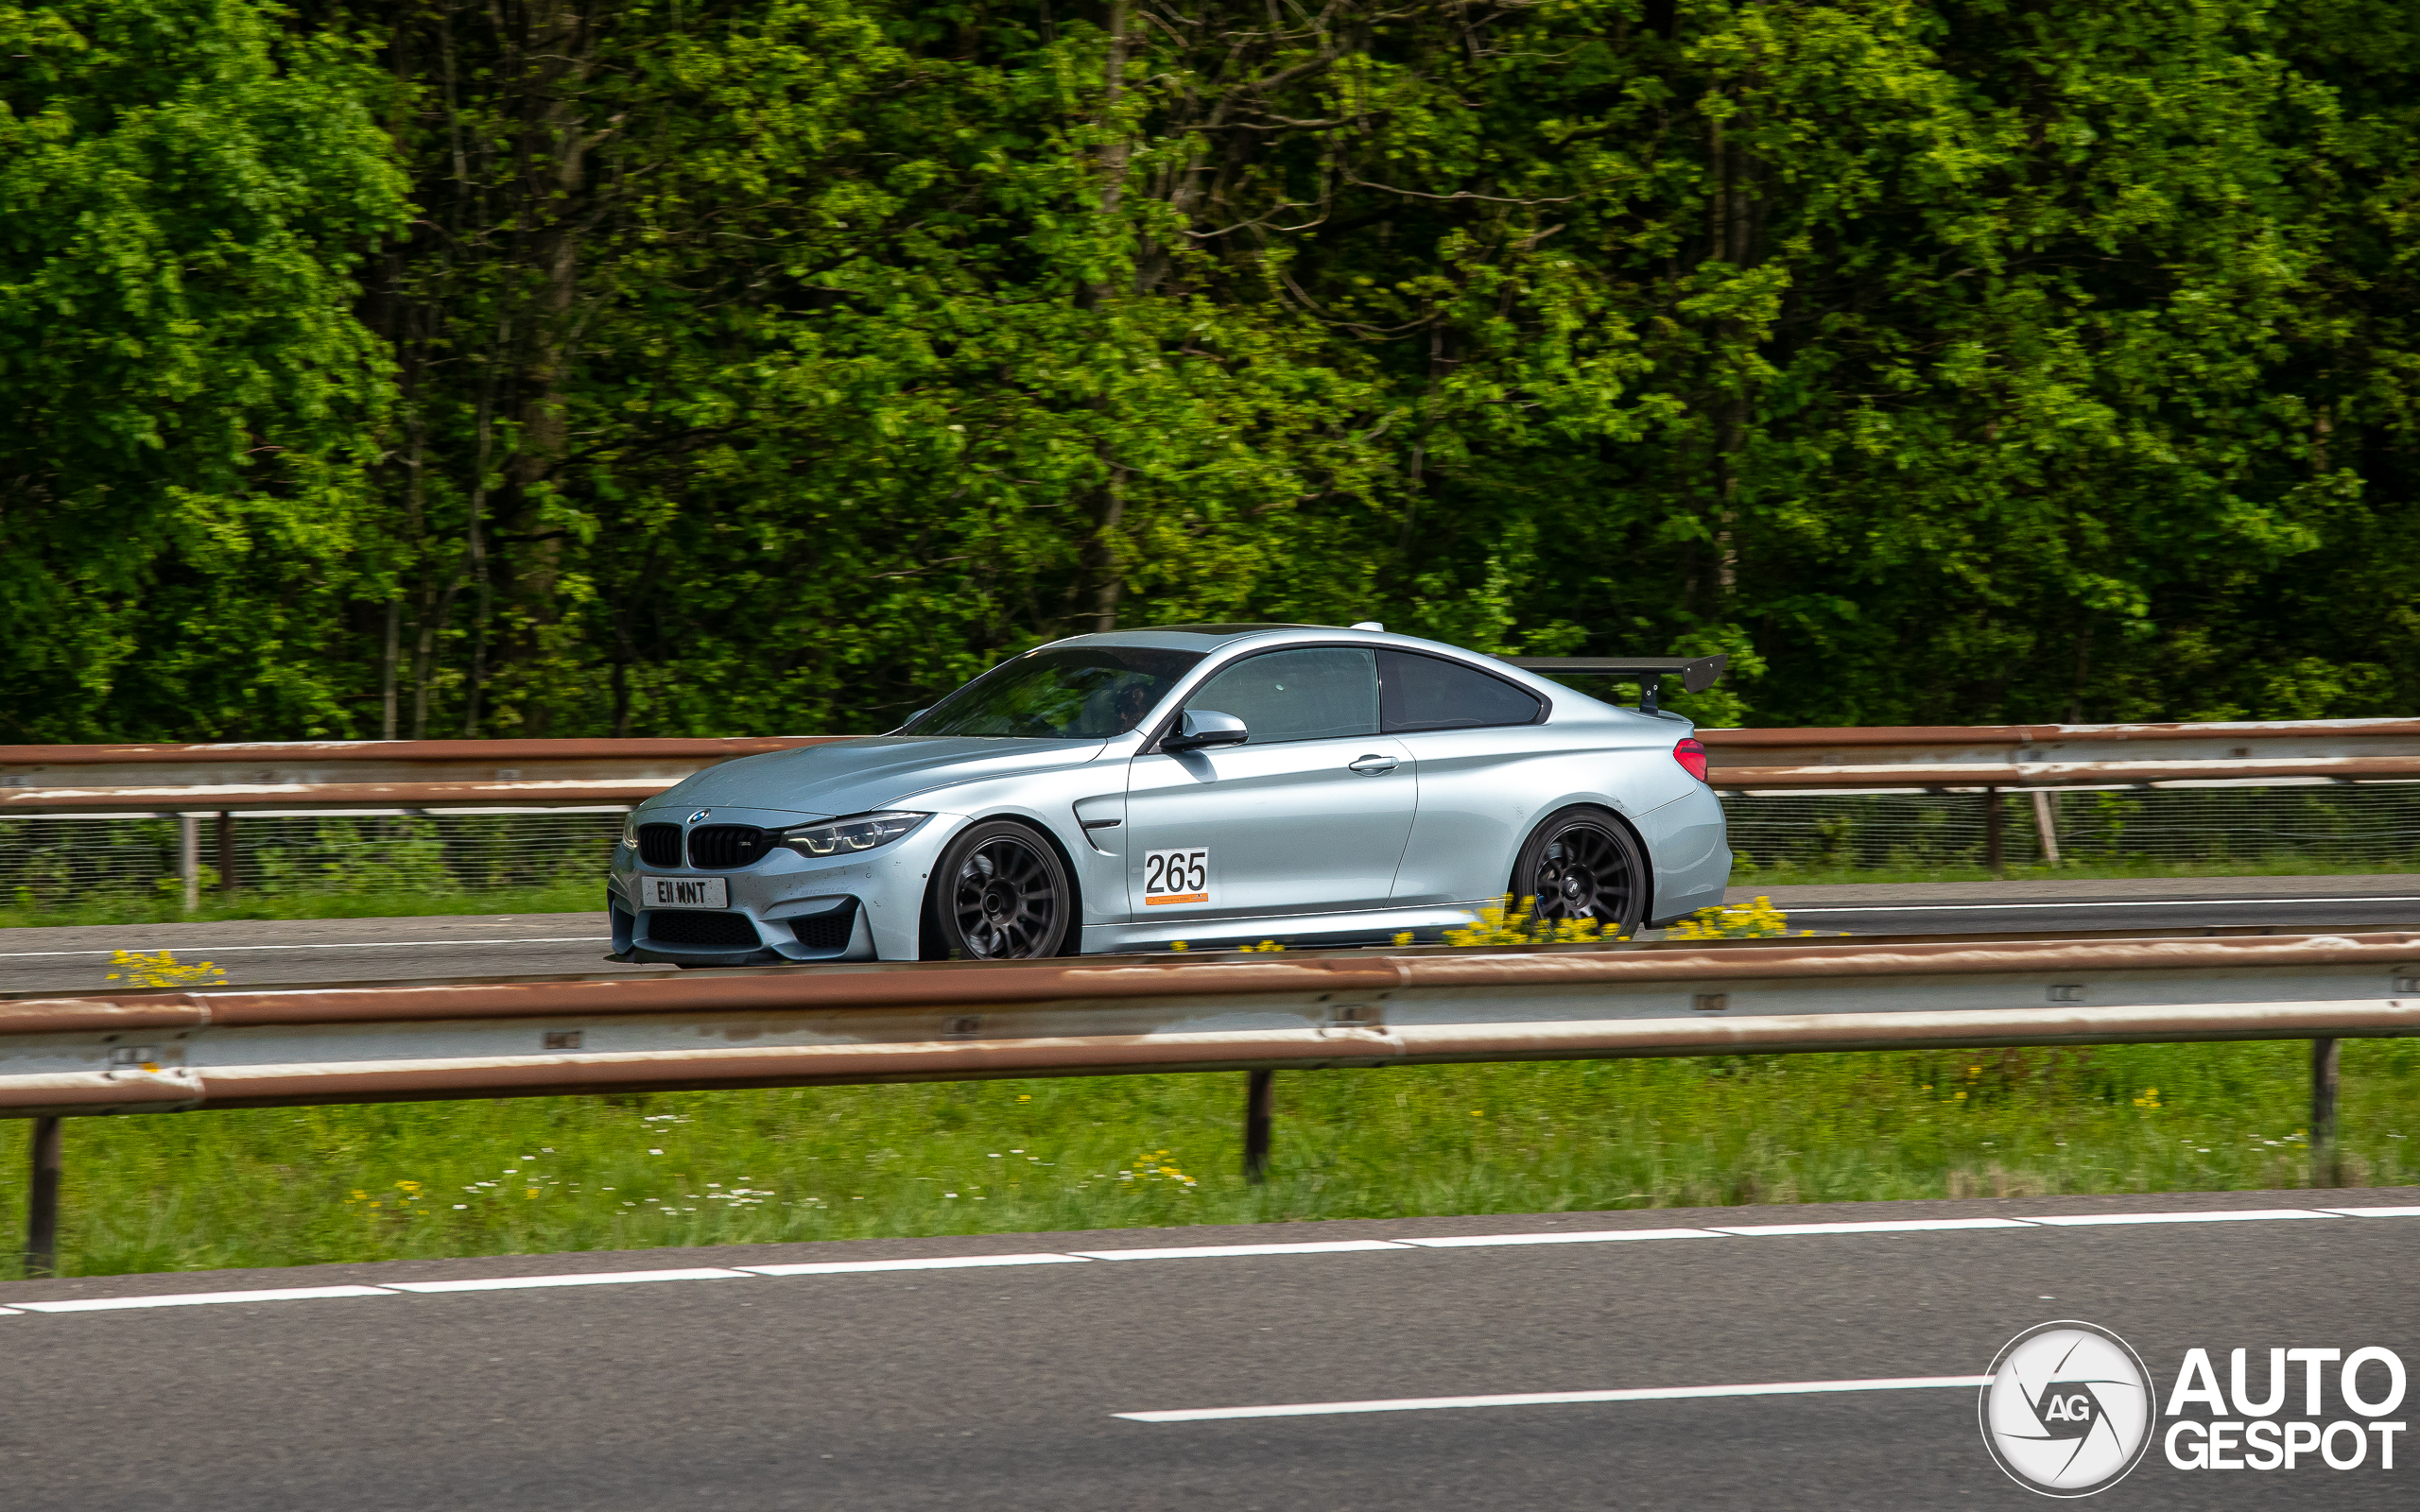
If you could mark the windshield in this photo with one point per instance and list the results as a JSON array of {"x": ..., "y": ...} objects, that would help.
[{"x": 1087, "y": 693}]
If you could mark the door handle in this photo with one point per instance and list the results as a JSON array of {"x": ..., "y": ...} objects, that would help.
[{"x": 1374, "y": 766}]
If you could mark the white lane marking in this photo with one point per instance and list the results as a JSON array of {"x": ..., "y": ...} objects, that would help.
[
  {"x": 338, "y": 945},
  {"x": 847, "y": 1267},
  {"x": 288, "y": 1294},
  {"x": 956, "y": 1261},
  {"x": 2113, "y": 903},
  {"x": 1803, "y": 908},
  {"x": 1895, "y": 1227},
  {"x": 1332, "y": 1246},
  {"x": 2095, "y": 1219},
  {"x": 1546, "y": 1398},
  {"x": 343, "y": 945},
  {"x": 1597, "y": 1237},
  {"x": 606, "y": 1277}
]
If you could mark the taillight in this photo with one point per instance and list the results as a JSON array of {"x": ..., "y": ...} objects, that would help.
[{"x": 1691, "y": 754}]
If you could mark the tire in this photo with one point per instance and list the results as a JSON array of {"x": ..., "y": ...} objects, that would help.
[
  {"x": 1000, "y": 894},
  {"x": 1583, "y": 863}
]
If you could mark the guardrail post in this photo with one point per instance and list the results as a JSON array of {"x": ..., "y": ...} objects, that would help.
[
  {"x": 42, "y": 1200},
  {"x": 2045, "y": 823},
  {"x": 190, "y": 858},
  {"x": 1259, "y": 1095},
  {"x": 226, "y": 854},
  {"x": 1994, "y": 841},
  {"x": 2326, "y": 1162}
]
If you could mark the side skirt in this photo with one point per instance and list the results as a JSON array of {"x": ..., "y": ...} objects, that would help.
[{"x": 1375, "y": 927}]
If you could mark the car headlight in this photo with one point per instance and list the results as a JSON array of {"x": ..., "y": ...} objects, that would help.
[
  {"x": 860, "y": 832},
  {"x": 631, "y": 832}
]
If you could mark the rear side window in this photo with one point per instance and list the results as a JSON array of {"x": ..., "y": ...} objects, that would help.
[
  {"x": 1428, "y": 692},
  {"x": 1314, "y": 692}
]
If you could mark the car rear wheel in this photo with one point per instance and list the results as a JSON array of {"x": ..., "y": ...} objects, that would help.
[
  {"x": 1000, "y": 894},
  {"x": 1581, "y": 863}
]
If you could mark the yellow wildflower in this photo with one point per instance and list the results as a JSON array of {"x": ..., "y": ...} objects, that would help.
[
  {"x": 162, "y": 969},
  {"x": 1759, "y": 919}
]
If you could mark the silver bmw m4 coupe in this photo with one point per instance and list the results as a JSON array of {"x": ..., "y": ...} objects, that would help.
[{"x": 1216, "y": 784}]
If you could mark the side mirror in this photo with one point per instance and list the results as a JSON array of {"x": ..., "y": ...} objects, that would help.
[{"x": 1196, "y": 730}]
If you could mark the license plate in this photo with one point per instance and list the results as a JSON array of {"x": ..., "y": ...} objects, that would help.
[{"x": 685, "y": 892}]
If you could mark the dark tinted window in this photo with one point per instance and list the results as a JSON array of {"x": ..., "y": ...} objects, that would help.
[
  {"x": 1312, "y": 693},
  {"x": 1428, "y": 692},
  {"x": 1078, "y": 693}
]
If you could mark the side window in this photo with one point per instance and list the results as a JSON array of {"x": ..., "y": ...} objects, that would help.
[
  {"x": 1311, "y": 694},
  {"x": 1428, "y": 692}
]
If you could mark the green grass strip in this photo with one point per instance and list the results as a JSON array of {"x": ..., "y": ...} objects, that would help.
[{"x": 299, "y": 1186}]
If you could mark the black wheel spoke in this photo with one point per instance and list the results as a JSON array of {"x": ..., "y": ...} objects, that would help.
[
  {"x": 1004, "y": 900},
  {"x": 1582, "y": 872}
]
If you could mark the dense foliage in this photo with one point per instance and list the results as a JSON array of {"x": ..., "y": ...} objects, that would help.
[{"x": 561, "y": 366}]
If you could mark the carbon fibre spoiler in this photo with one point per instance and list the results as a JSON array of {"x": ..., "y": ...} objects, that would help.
[{"x": 1696, "y": 673}]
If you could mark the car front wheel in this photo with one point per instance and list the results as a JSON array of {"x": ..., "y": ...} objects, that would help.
[
  {"x": 1000, "y": 894},
  {"x": 1581, "y": 863}
]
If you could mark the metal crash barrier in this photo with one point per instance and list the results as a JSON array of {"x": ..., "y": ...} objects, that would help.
[
  {"x": 338, "y": 775},
  {"x": 169, "y": 1052}
]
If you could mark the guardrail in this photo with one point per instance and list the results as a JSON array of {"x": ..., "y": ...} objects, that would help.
[
  {"x": 360, "y": 774},
  {"x": 163, "y": 1052},
  {"x": 2037, "y": 757},
  {"x": 339, "y": 775}
]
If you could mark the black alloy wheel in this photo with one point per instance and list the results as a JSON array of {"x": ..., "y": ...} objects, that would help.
[
  {"x": 1581, "y": 863},
  {"x": 1000, "y": 894}
]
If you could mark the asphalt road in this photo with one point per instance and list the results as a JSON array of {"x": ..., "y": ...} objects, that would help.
[
  {"x": 264, "y": 951},
  {"x": 362, "y": 950},
  {"x": 2377, "y": 901},
  {"x": 1000, "y": 1387}
]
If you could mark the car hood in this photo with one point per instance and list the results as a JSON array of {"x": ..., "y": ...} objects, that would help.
[{"x": 860, "y": 776}]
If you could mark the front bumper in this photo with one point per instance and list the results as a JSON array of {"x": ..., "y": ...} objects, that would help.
[{"x": 786, "y": 908}]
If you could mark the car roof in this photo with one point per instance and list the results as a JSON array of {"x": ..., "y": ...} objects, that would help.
[
  {"x": 1196, "y": 637},
  {"x": 1215, "y": 638},
  {"x": 1209, "y": 638}
]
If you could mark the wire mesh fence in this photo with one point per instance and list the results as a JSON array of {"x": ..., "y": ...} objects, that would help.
[
  {"x": 47, "y": 863},
  {"x": 2220, "y": 828}
]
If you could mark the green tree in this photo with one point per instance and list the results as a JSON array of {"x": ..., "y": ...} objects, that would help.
[
  {"x": 191, "y": 400},
  {"x": 768, "y": 365}
]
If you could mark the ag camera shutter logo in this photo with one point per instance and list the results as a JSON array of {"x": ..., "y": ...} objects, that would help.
[{"x": 2068, "y": 1409}]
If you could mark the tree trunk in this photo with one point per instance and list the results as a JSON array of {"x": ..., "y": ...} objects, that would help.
[
  {"x": 1106, "y": 560},
  {"x": 554, "y": 154}
]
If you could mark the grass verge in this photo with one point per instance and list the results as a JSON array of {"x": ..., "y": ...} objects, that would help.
[
  {"x": 1784, "y": 874},
  {"x": 297, "y": 1186},
  {"x": 561, "y": 898}
]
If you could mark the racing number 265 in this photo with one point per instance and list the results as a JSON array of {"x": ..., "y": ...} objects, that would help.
[{"x": 1176, "y": 876}]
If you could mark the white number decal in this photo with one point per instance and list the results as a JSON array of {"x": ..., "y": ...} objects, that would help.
[{"x": 1176, "y": 877}]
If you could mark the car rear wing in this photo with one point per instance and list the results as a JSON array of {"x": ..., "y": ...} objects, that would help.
[{"x": 1696, "y": 673}]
